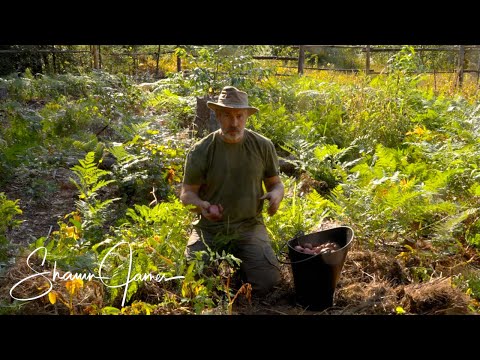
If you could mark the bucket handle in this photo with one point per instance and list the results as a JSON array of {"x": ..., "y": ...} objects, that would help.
[{"x": 300, "y": 233}]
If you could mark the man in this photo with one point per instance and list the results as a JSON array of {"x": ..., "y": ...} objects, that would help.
[{"x": 223, "y": 179}]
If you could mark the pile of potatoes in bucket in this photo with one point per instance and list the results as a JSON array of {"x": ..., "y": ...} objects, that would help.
[{"x": 324, "y": 248}]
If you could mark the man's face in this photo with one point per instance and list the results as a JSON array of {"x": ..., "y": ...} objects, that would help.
[{"x": 232, "y": 123}]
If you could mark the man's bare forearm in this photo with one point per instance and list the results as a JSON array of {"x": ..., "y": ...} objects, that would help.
[{"x": 191, "y": 198}]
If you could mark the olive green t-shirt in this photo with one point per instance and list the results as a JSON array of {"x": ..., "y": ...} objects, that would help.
[{"x": 231, "y": 175}]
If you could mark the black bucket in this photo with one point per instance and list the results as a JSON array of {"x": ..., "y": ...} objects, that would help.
[{"x": 316, "y": 276}]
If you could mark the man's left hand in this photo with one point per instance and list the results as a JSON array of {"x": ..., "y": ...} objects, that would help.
[{"x": 274, "y": 197}]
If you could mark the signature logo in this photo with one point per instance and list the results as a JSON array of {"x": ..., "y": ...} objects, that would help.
[{"x": 52, "y": 276}]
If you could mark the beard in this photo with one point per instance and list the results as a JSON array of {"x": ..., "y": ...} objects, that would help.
[{"x": 233, "y": 135}]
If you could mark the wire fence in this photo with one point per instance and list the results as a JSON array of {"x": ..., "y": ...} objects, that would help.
[{"x": 146, "y": 66}]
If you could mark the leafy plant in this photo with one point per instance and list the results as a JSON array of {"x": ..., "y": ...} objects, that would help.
[
  {"x": 297, "y": 214},
  {"x": 207, "y": 280},
  {"x": 9, "y": 209},
  {"x": 92, "y": 210}
]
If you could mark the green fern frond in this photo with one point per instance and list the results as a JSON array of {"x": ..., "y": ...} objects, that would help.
[{"x": 445, "y": 228}]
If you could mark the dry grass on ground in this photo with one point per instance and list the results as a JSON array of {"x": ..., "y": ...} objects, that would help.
[{"x": 371, "y": 283}]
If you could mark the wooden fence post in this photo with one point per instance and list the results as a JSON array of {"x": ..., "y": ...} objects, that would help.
[
  {"x": 367, "y": 60},
  {"x": 461, "y": 65},
  {"x": 179, "y": 64},
  {"x": 301, "y": 59},
  {"x": 135, "y": 62}
]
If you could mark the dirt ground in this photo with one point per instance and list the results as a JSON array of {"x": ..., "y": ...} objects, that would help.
[
  {"x": 371, "y": 283},
  {"x": 41, "y": 214},
  {"x": 368, "y": 285}
]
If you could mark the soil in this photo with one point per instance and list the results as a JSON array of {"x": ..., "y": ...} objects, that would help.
[{"x": 40, "y": 215}]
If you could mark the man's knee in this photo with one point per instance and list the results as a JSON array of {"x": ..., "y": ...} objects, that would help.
[
  {"x": 259, "y": 262},
  {"x": 263, "y": 272},
  {"x": 264, "y": 281},
  {"x": 196, "y": 244},
  {"x": 191, "y": 254}
]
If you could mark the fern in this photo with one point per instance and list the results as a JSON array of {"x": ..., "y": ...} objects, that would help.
[
  {"x": 298, "y": 214},
  {"x": 89, "y": 175},
  {"x": 93, "y": 210},
  {"x": 8, "y": 211},
  {"x": 445, "y": 227}
]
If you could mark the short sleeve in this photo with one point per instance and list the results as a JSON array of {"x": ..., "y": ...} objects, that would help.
[
  {"x": 272, "y": 167},
  {"x": 195, "y": 167}
]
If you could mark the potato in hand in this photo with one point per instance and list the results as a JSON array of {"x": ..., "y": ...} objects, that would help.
[{"x": 215, "y": 212}]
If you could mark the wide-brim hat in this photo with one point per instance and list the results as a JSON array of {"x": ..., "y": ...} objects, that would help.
[{"x": 232, "y": 98}]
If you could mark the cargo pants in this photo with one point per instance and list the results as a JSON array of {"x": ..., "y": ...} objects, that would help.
[{"x": 259, "y": 265}]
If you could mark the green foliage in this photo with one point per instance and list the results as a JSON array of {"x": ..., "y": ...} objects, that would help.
[
  {"x": 274, "y": 122},
  {"x": 473, "y": 283},
  {"x": 121, "y": 263},
  {"x": 217, "y": 66},
  {"x": 65, "y": 118},
  {"x": 89, "y": 177},
  {"x": 21, "y": 127},
  {"x": 404, "y": 61},
  {"x": 323, "y": 162},
  {"x": 151, "y": 162},
  {"x": 40, "y": 190},
  {"x": 155, "y": 236},
  {"x": 92, "y": 209},
  {"x": 298, "y": 214},
  {"x": 206, "y": 279},
  {"x": 71, "y": 245},
  {"x": 27, "y": 58},
  {"x": 178, "y": 111},
  {"x": 390, "y": 193},
  {"x": 5, "y": 167},
  {"x": 9, "y": 209}
]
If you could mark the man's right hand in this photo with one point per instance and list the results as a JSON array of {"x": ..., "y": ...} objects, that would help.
[
  {"x": 212, "y": 212},
  {"x": 189, "y": 196}
]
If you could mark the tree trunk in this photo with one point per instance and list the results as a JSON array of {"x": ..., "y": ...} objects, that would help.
[
  {"x": 46, "y": 63},
  {"x": 158, "y": 60},
  {"x": 179, "y": 64},
  {"x": 367, "y": 60},
  {"x": 478, "y": 67},
  {"x": 96, "y": 57},
  {"x": 205, "y": 120},
  {"x": 461, "y": 65},
  {"x": 301, "y": 59}
]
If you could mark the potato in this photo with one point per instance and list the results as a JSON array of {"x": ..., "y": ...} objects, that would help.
[
  {"x": 298, "y": 248},
  {"x": 307, "y": 246},
  {"x": 215, "y": 211}
]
